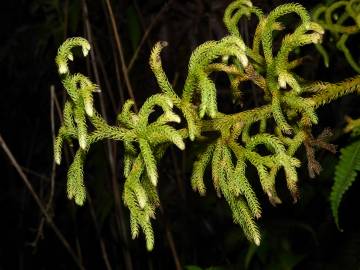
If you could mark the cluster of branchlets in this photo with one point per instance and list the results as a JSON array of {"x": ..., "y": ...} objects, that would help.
[
  {"x": 237, "y": 140},
  {"x": 342, "y": 20}
]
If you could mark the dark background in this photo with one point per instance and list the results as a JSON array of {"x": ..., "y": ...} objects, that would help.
[{"x": 189, "y": 229}]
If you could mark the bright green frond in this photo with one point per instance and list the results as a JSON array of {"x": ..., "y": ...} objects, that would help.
[{"x": 345, "y": 174}]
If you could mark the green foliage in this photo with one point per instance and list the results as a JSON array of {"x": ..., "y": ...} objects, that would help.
[
  {"x": 342, "y": 20},
  {"x": 346, "y": 169},
  {"x": 266, "y": 137},
  {"x": 335, "y": 18},
  {"x": 345, "y": 174}
]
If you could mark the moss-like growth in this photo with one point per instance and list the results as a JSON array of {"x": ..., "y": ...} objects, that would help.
[{"x": 281, "y": 125}]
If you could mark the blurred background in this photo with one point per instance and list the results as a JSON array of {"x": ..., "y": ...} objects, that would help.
[{"x": 190, "y": 232}]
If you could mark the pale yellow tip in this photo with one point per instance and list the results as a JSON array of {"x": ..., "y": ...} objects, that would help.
[
  {"x": 142, "y": 202},
  {"x": 82, "y": 141},
  {"x": 257, "y": 241},
  {"x": 63, "y": 68},
  {"x": 89, "y": 109},
  {"x": 70, "y": 57},
  {"x": 153, "y": 180},
  {"x": 244, "y": 60},
  {"x": 181, "y": 145},
  {"x": 85, "y": 51},
  {"x": 282, "y": 81},
  {"x": 57, "y": 160}
]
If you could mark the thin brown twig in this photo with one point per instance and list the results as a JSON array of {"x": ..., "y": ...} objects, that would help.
[
  {"x": 39, "y": 203},
  {"x": 53, "y": 167},
  {"x": 146, "y": 34},
  {"x": 77, "y": 243},
  {"x": 120, "y": 217},
  {"x": 39, "y": 233},
  {"x": 114, "y": 57},
  {"x": 101, "y": 241},
  {"x": 171, "y": 241},
  {"x": 37, "y": 174},
  {"x": 178, "y": 171},
  {"x": 118, "y": 81},
  {"x": 115, "y": 185},
  {"x": 58, "y": 108},
  {"x": 105, "y": 76},
  {"x": 92, "y": 56},
  {"x": 178, "y": 174},
  {"x": 140, "y": 16},
  {"x": 121, "y": 54},
  {"x": 168, "y": 232}
]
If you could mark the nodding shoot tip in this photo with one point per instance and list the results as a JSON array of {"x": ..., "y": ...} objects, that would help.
[
  {"x": 63, "y": 68},
  {"x": 89, "y": 109},
  {"x": 57, "y": 159},
  {"x": 248, "y": 3},
  {"x": 244, "y": 60},
  {"x": 282, "y": 81},
  {"x": 153, "y": 179},
  {"x": 85, "y": 48},
  {"x": 180, "y": 145},
  {"x": 164, "y": 44},
  {"x": 257, "y": 240},
  {"x": 71, "y": 57},
  {"x": 82, "y": 141}
]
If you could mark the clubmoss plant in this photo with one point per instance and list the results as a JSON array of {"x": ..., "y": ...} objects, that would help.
[
  {"x": 230, "y": 143},
  {"x": 342, "y": 20}
]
